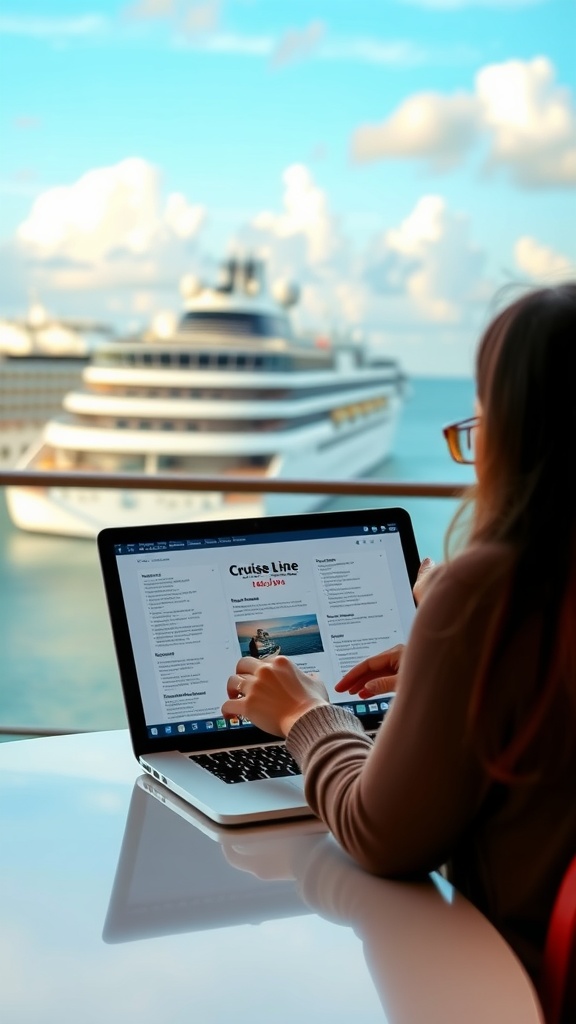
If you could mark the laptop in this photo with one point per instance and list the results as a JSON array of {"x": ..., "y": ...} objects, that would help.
[
  {"x": 187, "y": 600},
  {"x": 235, "y": 870}
]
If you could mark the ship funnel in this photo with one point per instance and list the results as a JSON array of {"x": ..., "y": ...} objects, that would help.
[
  {"x": 253, "y": 277},
  {"x": 226, "y": 278}
]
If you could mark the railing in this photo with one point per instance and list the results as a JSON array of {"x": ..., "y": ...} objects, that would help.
[
  {"x": 245, "y": 485},
  {"x": 242, "y": 484}
]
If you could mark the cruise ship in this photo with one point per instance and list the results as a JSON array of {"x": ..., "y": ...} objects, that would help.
[
  {"x": 226, "y": 389},
  {"x": 41, "y": 358}
]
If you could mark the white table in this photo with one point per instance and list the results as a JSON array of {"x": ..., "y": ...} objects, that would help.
[{"x": 119, "y": 909}]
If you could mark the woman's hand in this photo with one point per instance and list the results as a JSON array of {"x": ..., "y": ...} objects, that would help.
[
  {"x": 374, "y": 675},
  {"x": 272, "y": 694},
  {"x": 378, "y": 673}
]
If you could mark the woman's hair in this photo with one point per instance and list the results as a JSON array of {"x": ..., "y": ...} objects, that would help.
[
  {"x": 526, "y": 386},
  {"x": 525, "y": 379}
]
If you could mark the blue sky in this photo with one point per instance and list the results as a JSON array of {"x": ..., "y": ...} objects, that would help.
[{"x": 400, "y": 159}]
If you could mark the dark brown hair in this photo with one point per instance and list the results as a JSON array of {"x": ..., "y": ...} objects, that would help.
[{"x": 526, "y": 385}]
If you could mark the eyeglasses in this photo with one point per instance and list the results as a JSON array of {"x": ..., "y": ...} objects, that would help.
[{"x": 460, "y": 438}]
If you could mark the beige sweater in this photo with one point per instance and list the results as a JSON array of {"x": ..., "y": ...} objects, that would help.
[{"x": 418, "y": 797}]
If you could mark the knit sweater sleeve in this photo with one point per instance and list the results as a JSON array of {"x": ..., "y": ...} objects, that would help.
[
  {"x": 319, "y": 722},
  {"x": 399, "y": 804}
]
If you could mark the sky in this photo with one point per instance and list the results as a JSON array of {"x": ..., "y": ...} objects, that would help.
[{"x": 407, "y": 163}]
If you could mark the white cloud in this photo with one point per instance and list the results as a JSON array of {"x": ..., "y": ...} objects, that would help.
[
  {"x": 144, "y": 9},
  {"x": 181, "y": 218},
  {"x": 195, "y": 26},
  {"x": 106, "y": 210},
  {"x": 439, "y": 128},
  {"x": 313, "y": 42},
  {"x": 531, "y": 120},
  {"x": 111, "y": 232},
  {"x": 461, "y": 5},
  {"x": 193, "y": 15},
  {"x": 540, "y": 262},
  {"x": 528, "y": 120},
  {"x": 366, "y": 50},
  {"x": 421, "y": 279},
  {"x": 202, "y": 17},
  {"x": 305, "y": 216},
  {"x": 47, "y": 27},
  {"x": 190, "y": 17},
  {"x": 446, "y": 275},
  {"x": 228, "y": 42}
]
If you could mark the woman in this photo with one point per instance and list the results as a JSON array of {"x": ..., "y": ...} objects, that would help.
[{"x": 475, "y": 765}]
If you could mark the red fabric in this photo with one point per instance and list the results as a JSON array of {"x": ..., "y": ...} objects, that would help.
[{"x": 558, "y": 987}]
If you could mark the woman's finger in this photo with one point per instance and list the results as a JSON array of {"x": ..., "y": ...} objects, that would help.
[
  {"x": 422, "y": 578},
  {"x": 236, "y": 686}
]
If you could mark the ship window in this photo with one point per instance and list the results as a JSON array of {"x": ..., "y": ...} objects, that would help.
[
  {"x": 223, "y": 359},
  {"x": 281, "y": 327},
  {"x": 260, "y": 325},
  {"x": 147, "y": 359},
  {"x": 165, "y": 359},
  {"x": 203, "y": 359},
  {"x": 184, "y": 359},
  {"x": 241, "y": 361}
]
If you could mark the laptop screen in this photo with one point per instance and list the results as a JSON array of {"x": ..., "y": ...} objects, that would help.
[{"x": 326, "y": 589}]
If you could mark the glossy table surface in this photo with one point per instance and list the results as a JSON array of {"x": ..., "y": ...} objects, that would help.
[{"x": 117, "y": 906}]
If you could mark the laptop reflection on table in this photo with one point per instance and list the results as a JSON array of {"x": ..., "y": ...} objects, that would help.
[
  {"x": 176, "y": 870},
  {"x": 423, "y": 944}
]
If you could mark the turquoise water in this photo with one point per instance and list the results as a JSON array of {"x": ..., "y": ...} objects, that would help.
[{"x": 58, "y": 663}]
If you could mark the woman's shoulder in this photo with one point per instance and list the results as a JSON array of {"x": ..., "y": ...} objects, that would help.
[
  {"x": 480, "y": 569},
  {"x": 455, "y": 613},
  {"x": 489, "y": 557}
]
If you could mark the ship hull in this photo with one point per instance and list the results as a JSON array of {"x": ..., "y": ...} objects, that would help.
[{"x": 82, "y": 512}]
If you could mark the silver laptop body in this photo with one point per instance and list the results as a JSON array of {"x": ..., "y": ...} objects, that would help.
[{"x": 187, "y": 600}]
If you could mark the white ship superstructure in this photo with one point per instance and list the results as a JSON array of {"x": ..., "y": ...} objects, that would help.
[{"x": 228, "y": 391}]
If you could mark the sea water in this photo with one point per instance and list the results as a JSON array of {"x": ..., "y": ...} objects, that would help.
[{"x": 58, "y": 663}]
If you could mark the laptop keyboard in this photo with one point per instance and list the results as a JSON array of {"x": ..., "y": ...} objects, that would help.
[{"x": 248, "y": 764}]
